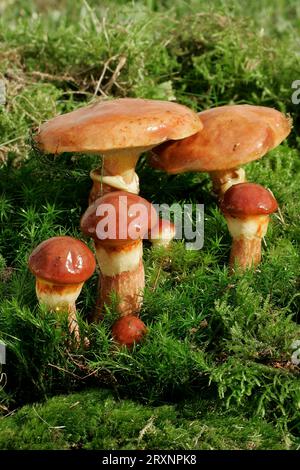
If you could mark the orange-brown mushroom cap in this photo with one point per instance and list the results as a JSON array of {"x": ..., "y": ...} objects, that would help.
[
  {"x": 132, "y": 216},
  {"x": 129, "y": 330},
  {"x": 117, "y": 124},
  {"x": 163, "y": 229},
  {"x": 248, "y": 199},
  {"x": 62, "y": 260},
  {"x": 231, "y": 136}
]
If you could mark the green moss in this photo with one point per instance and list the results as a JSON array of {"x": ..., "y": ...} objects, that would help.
[{"x": 97, "y": 420}]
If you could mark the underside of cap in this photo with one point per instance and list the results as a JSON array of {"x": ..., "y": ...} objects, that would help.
[
  {"x": 117, "y": 124},
  {"x": 231, "y": 136},
  {"x": 248, "y": 199}
]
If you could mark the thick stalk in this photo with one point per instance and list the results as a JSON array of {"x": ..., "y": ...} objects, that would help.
[
  {"x": 117, "y": 173},
  {"x": 245, "y": 253},
  {"x": 122, "y": 275},
  {"x": 60, "y": 298},
  {"x": 246, "y": 236},
  {"x": 223, "y": 180}
]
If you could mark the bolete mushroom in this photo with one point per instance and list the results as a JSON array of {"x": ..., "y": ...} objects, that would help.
[
  {"x": 61, "y": 265},
  {"x": 163, "y": 233},
  {"x": 118, "y": 222},
  {"x": 246, "y": 207},
  {"x": 119, "y": 130},
  {"x": 128, "y": 330},
  {"x": 232, "y": 136}
]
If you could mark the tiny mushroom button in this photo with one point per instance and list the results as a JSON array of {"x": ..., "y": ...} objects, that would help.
[
  {"x": 246, "y": 207},
  {"x": 118, "y": 222},
  {"x": 163, "y": 233},
  {"x": 61, "y": 265},
  {"x": 232, "y": 136},
  {"x": 128, "y": 330},
  {"x": 119, "y": 130}
]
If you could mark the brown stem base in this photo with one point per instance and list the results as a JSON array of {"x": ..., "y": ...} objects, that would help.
[
  {"x": 73, "y": 324},
  {"x": 245, "y": 253},
  {"x": 128, "y": 285}
]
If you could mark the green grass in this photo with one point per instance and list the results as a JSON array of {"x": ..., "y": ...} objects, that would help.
[{"x": 217, "y": 361}]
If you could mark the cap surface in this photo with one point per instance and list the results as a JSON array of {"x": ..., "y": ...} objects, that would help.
[
  {"x": 246, "y": 199},
  {"x": 231, "y": 136},
  {"x": 164, "y": 229},
  {"x": 118, "y": 217},
  {"x": 128, "y": 330},
  {"x": 117, "y": 124},
  {"x": 62, "y": 260}
]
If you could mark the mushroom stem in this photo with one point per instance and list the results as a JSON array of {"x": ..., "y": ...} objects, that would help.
[
  {"x": 118, "y": 173},
  {"x": 73, "y": 323},
  {"x": 60, "y": 298},
  {"x": 245, "y": 253},
  {"x": 223, "y": 180},
  {"x": 247, "y": 234},
  {"x": 122, "y": 272}
]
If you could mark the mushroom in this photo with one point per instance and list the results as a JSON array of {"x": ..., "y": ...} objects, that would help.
[
  {"x": 163, "y": 233},
  {"x": 246, "y": 207},
  {"x": 119, "y": 130},
  {"x": 231, "y": 136},
  {"x": 61, "y": 265},
  {"x": 128, "y": 330},
  {"x": 118, "y": 222}
]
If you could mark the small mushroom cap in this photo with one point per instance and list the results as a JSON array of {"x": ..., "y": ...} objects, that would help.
[
  {"x": 128, "y": 330},
  {"x": 248, "y": 199},
  {"x": 164, "y": 229},
  {"x": 117, "y": 218},
  {"x": 117, "y": 124},
  {"x": 62, "y": 260},
  {"x": 231, "y": 136}
]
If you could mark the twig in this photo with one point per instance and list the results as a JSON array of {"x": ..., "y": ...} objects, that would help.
[
  {"x": 49, "y": 426},
  {"x": 115, "y": 75},
  {"x": 105, "y": 67},
  {"x": 74, "y": 404},
  {"x": 156, "y": 278},
  {"x": 280, "y": 216},
  {"x": 65, "y": 371},
  {"x": 49, "y": 76},
  {"x": 147, "y": 428},
  {"x": 12, "y": 140}
]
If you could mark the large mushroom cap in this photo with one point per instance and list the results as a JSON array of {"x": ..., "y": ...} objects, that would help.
[
  {"x": 231, "y": 136},
  {"x": 118, "y": 124},
  {"x": 248, "y": 199},
  {"x": 118, "y": 217},
  {"x": 62, "y": 260}
]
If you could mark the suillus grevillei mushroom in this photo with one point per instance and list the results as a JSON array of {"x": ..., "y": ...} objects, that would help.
[
  {"x": 128, "y": 330},
  {"x": 118, "y": 222},
  {"x": 232, "y": 136},
  {"x": 163, "y": 233},
  {"x": 118, "y": 130},
  {"x": 61, "y": 265},
  {"x": 247, "y": 207}
]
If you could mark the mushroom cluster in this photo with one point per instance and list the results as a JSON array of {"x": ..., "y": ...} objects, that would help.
[{"x": 218, "y": 141}]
